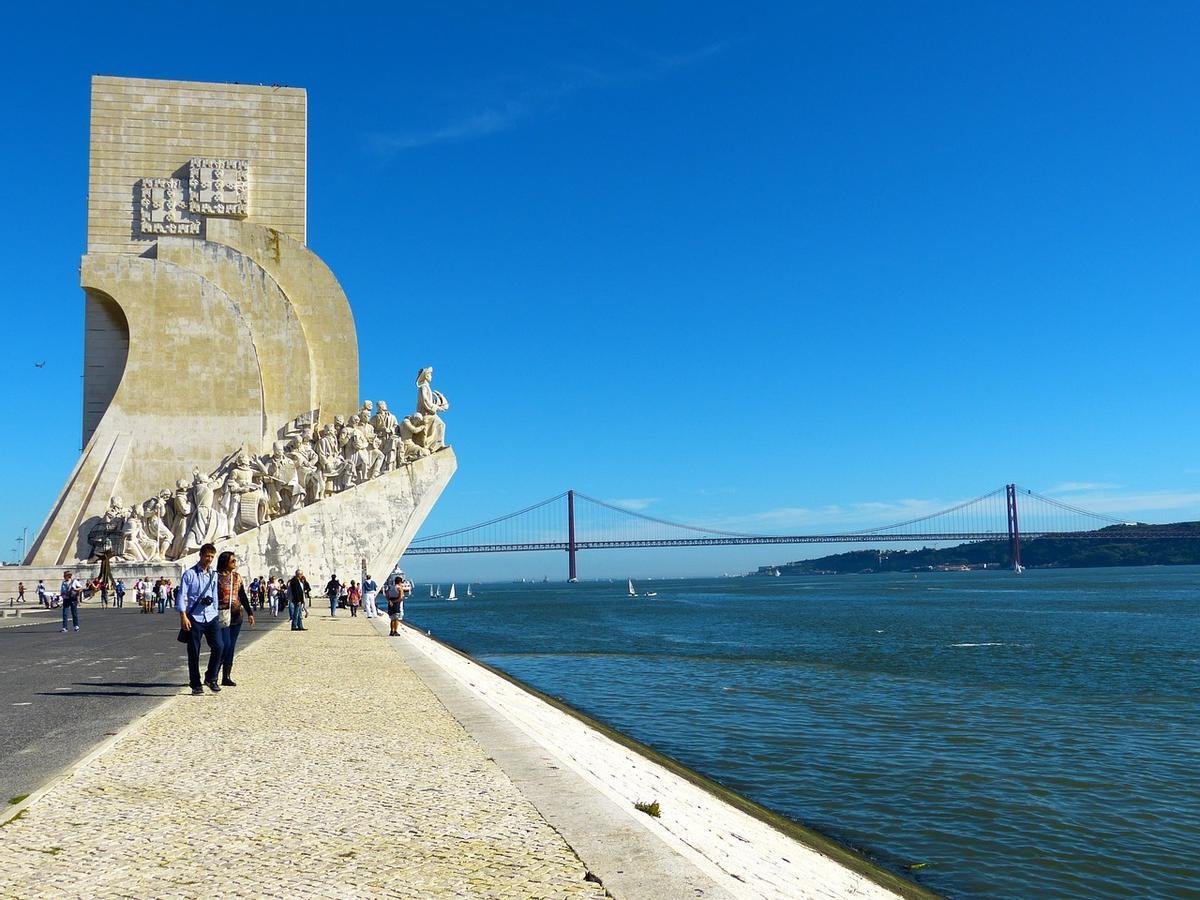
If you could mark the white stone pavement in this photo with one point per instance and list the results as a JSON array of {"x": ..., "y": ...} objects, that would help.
[
  {"x": 699, "y": 840},
  {"x": 330, "y": 771}
]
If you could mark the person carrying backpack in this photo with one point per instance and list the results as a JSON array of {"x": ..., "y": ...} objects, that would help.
[
  {"x": 333, "y": 590},
  {"x": 70, "y": 591},
  {"x": 393, "y": 590}
]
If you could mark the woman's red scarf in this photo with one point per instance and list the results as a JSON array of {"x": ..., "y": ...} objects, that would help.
[{"x": 227, "y": 590}]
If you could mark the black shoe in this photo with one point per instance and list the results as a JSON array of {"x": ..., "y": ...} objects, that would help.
[
  {"x": 213, "y": 686},
  {"x": 196, "y": 691},
  {"x": 228, "y": 682}
]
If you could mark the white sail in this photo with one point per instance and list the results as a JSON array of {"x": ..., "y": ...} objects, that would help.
[
  {"x": 632, "y": 592},
  {"x": 453, "y": 596},
  {"x": 431, "y": 590},
  {"x": 470, "y": 593}
]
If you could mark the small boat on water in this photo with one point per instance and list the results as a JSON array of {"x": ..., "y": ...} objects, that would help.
[
  {"x": 1018, "y": 568},
  {"x": 633, "y": 591},
  {"x": 438, "y": 592},
  {"x": 470, "y": 593},
  {"x": 431, "y": 590},
  {"x": 453, "y": 595}
]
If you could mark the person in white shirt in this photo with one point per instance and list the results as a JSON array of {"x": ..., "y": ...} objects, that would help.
[{"x": 370, "y": 592}]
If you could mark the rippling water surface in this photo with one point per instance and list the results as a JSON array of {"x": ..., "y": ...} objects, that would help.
[{"x": 1025, "y": 736}]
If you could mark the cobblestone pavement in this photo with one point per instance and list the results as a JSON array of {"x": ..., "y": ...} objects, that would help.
[{"x": 329, "y": 771}]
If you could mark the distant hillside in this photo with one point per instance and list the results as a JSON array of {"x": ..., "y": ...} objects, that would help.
[{"x": 1039, "y": 553}]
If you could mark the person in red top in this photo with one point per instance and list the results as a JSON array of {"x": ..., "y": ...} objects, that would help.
[
  {"x": 354, "y": 596},
  {"x": 232, "y": 603}
]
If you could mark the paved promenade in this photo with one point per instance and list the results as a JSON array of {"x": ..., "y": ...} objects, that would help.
[
  {"x": 61, "y": 694},
  {"x": 309, "y": 779}
]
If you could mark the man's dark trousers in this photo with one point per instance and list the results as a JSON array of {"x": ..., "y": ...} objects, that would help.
[{"x": 210, "y": 631}]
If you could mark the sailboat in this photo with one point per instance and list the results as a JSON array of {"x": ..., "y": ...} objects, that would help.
[
  {"x": 1018, "y": 568},
  {"x": 438, "y": 592},
  {"x": 453, "y": 595},
  {"x": 470, "y": 593},
  {"x": 632, "y": 592},
  {"x": 431, "y": 590}
]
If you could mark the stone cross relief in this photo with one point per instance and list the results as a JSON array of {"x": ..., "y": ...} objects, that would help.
[
  {"x": 214, "y": 187},
  {"x": 308, "y": 463}
]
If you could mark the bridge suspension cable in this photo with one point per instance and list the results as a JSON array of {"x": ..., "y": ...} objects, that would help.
[{"x": 572, "y": 521}]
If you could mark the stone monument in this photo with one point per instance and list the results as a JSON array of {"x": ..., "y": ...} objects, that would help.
[{"x": 220, "y": 355}]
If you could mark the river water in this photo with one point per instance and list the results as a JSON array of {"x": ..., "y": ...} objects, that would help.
[{"x": 1030, "y": 735}]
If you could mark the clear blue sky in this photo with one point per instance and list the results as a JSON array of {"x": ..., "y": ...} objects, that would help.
[{"x": 777, "y": 267}]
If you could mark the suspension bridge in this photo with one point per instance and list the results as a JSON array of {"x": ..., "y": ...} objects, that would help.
[{"x": 573, "y": 522}]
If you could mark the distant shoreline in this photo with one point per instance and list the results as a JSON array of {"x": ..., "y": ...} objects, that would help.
[{"x": 1040, "y": 553}]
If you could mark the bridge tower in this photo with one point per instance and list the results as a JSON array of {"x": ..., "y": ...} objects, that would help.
[
  {"x": 1014, "y": 530},
  {"x": 571, "y": 537}
]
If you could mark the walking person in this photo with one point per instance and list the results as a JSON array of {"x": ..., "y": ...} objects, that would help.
[
  {"x": 104, "y": 594},
  {"x": 20, "y": 592},
  {"x": 41, "y": 593},
  {"x": 199, "y": 618},
  {"x": 354, "y": 596},
  {"x": 295, "y": 590},
  {"x": 370, "y": 592},
  {"x": 233, "y": 603},
  {"x": 393, "y": 590},
  {"x": 70, "y": 591},
  {"x": 333, "y": 590},
  {"x": 120, "y": 590},
  {"x": 273, "y": 590}
]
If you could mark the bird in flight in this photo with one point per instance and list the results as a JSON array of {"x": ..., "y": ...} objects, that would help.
[{"x": 40, "y": 365}]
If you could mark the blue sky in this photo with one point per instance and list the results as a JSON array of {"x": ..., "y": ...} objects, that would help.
[{"x": 774, "y": 267}]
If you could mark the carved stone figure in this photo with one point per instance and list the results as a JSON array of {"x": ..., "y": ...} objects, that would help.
[
  {"x": 277, "y": 474},
  {"x": 181, "y": 508},
  {"x": 137, "y": 546},
  {"x": 308, "y": 467},
  {"x": 384, "y": 422},
  {"x": 412, "y": 438},
  {"x": 105, "y": 537},
  {"x": 240, "y": 504},
  {"x": 116, "y": 511},
  {"x": 389, "y": 445},
  {"x": 330, "y": 457},
  {"x": 429, "y": 404},
  {"x": 157, "y": 537},
  {"x": 202, "y": 519},
  {"x": 284, "y": 480}
]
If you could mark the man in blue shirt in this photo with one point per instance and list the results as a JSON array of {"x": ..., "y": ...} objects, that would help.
[{"x": 198, "y": 616}]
